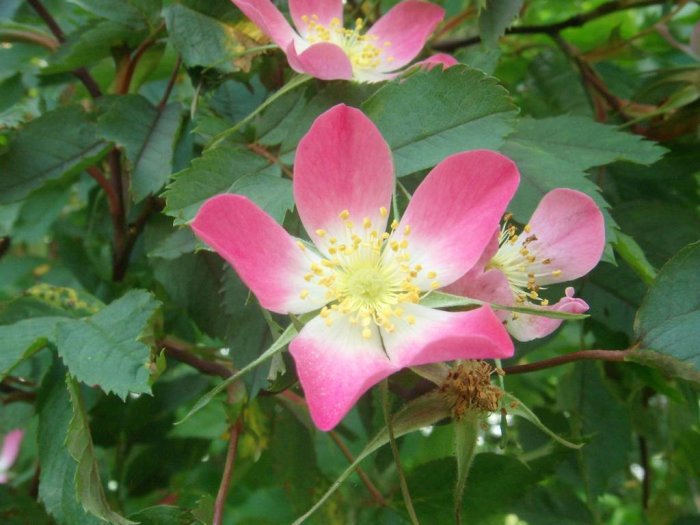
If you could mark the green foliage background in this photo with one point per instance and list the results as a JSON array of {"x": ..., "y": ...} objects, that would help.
[{"x": 118, "y": 118}]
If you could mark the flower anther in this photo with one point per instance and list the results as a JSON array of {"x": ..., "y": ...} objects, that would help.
[{"x": 364, "y": 273}]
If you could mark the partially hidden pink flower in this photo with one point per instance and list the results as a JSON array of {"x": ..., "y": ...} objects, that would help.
[
  {"x": 9, "y": 453},
  {"x": 441, "y": 59},
  {"x": 366, "y": 282},
  {"x": 321, "y": 47},
  {"x": 564, "y": 240}
]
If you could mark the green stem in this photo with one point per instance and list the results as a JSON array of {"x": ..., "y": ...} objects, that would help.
[{"x": 395, "y": 451}]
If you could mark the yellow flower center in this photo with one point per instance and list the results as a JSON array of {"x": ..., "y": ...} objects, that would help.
[
  {"x": 367, "y": 275},
  {"x": 520, "y": 263},
  {"x": 364, "y": 51}
]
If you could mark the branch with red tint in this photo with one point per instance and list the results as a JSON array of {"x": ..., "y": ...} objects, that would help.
[{"x": 81, "y": 73}]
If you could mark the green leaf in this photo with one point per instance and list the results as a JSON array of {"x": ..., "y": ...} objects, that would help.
[
  {"x": 201, "y": 40},
  {"x": 58, "y": 468},
  {"x": 466, "y": 432},
  {"x": 87, "y": 476},
  {"x": 555, "y": 152},
  {"x": 495, "y": 16},
  {"x": 22, "y": 339},
  {"x": 272, "y": 194},
  {"x": 132, "y": 13},
  {"x": 282, "y": 341},
  {"x": 466, "y": 110},
  {"x": 106, "y": 349},
  {"x": 91, "y": 44},
  {"x": 60, "y": 142},
  {"x": 602, "y": 419},
  {"x": 497, "y": 481},
  {"x": 215, "y": 172},
  {"x": 421, "y": 412},
  {"x": 668, "y": 322},
  {"x": 445, "y": 300},
  {"x": 515, "y": 407},
  {"x": 148, "y": 135}
]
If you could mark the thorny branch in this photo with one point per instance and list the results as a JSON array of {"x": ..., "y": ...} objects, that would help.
[{"x": 80, "y": 73}]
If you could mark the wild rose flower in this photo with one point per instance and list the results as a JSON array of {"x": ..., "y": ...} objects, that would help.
[
  {"x": 9, "y": 453},
  {"x": 366, "y": 282},
  {"x": 323, "y": 48},
  {"x": 564, "y": 240}
]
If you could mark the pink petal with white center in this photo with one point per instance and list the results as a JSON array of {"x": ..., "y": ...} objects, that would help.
[
  {"x": 443, "y": 59},
  {"x": 406, "y": 27},
  {"x": 455, "y": 212},
  {"x": 342, "y": 163},
  {"x": 436, "y": 335},
  {"x": 325, "y": 61},
  {"x": 10, "y": 449},
  {"x": 570, "y": 231},
  {"x": 529, "y": 327},
  {"x": 336, "y": 365},
  {"x": 320, "y": 11},
  {"x": 267, "y": 259},
  {"x": 268, "y": 18}
]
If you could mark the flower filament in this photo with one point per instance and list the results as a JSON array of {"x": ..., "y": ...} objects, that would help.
[
  {"x": 519, "y": 261},
  {"x": 367, "y": 275},
  {"x": 364, "y": 51}
]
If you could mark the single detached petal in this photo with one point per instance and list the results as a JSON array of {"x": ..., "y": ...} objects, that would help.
[
  {"x": 436, "y": 335},
  {"x": 529, "y": 327},
  {"x": 336, "y": 365},
  {"x": 265, "y": 256},
  {"x": 10, "y": 449},
  {"x": 443, "y": 59},
  {"x": 455, "y": 212},
  {"x": 342, "y": 163},
  {"x": 318, "y": 11},
  {"x": 570, "y": 232},
  {"x": 406, "y": 27},
  {"x": 326, "y": 61},
  {"x": 268, "y": 18}
]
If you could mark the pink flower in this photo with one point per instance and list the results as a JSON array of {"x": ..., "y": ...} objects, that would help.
[
  {"x": 564, "y": 240},
  {"x": 443, "y": 59},
  {"x": 8, "y": 455},
  {"x": 364, "y": 282},
  {"x": 323, "y": 48}
]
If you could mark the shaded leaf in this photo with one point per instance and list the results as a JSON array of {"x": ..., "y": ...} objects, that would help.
[
  {"x": 421, "y": 412},
  {"x": 148, "y": 135},
  {"x": 668, "y": 322},
  {"x": 58, "y": 468},
  {"x": 495, "y": 17},
  {"x": 60, "y": 142},
  {"x": 87, "y": 476},
  {"x": 215, "y": 172}
]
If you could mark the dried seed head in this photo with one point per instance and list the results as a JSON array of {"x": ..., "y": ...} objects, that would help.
[{"x": 468, "y": 388}]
